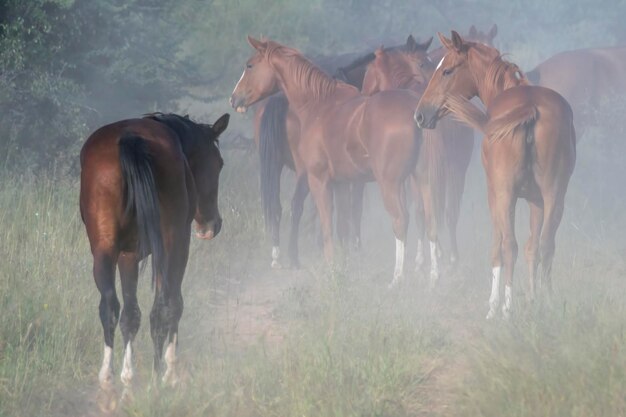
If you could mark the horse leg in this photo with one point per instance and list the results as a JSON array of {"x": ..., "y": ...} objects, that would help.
[
  {"x": 175, "y": 306},
  {"x": 532, "y": 245},
  {"x": 321, "y": 189},
  {"x": 104, "y": 275},
  {"x": 128, "y": 264},
  {"x": 274, "y": 222},
  {"x": 496, "y": 255},
  {"x": 431, "y": 231},
  {"x": 506, "y": 223},
  {"x": 553, "y": 213},
  {"x": 342, "y": 198},
  {"x": 456, "y": 186},
  {"x": 394, "y": 199},
  {"x": 419, "y": 221},
  {"x": 297, "y": 207},
  {"x": 357, "y": 212}
]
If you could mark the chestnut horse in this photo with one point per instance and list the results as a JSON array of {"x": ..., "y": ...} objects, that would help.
[
  {"x": 344, "y": 136},
  {"x": 411, "y": 68},
  {"x": 529, "y": 150},
  {"x": 143, "y": 181},
  {"x": 446, "y": 150},
  {"x": 583, "y": 77},
  {"x": 276, "y": 132}
]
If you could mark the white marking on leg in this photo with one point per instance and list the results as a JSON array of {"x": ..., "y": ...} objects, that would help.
[
  {"x": 170, "y": 376},
  {"x": 434, "y": 264},
  {"x": 494, "y": 299},
  {"x": 275, "y": 257},
  {"x": 399, "y": 268},
  {"x": 106, "y": 371},
  {"x": 127, "y": 367},
  {"x": 419, "y": 257},
  {"x": 508, "y": 301}
]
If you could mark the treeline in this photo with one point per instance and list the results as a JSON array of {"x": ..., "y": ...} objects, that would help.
[{"x": 68, "y": 66}]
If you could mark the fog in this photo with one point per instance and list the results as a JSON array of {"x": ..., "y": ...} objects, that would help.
[{"x": 326, "y": 338}]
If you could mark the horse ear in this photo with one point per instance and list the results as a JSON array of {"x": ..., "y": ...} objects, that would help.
[
  {"x": 447, "y": 43},
  {"x": 493, "y": 32},
  {"x": 411, "y": 44},
  {"x": 425, "y": 45},
  {"x": 221, "y": 124},
  {"x": 473, "y": 33},
  {"x": 257, "y": 44},
  {"x": 379, "y": 52},
  {"x": 457, "y": 41}
]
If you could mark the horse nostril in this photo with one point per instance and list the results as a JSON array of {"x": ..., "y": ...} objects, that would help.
[{"x": 419, "y": 118}]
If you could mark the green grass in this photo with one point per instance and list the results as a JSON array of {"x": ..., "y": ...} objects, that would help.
[{"x": 346, "y": 345}]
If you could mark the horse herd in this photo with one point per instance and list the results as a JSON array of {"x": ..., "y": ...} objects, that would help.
[{"x": 382, "y": 118}]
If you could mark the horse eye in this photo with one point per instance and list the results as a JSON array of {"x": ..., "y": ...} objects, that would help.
[
  {"x": 248, "y": 66},
  {"x": 448, "y": 71}
]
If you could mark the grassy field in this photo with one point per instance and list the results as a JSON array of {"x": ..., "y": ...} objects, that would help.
[{"x": 322, "y": 341}]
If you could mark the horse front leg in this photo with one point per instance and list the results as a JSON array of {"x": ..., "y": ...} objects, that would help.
[
  {"x": 168, "y": 310},
  {"x": 356, "y": 204},
  {"x": 395, "y": 203},
  {"x": 322, "y": 193},
  {"x": 297, "y": 208}
]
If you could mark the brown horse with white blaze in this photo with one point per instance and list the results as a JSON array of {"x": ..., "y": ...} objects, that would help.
[
  {"x": 143, "y": 182},
  {"x": 344, "y": 136},
  {"x": 529, "y": 150}
]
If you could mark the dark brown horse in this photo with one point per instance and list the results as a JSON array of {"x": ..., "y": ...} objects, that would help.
[
  {"x": 529, "y": 150},
  {"x": 584, "y": 77},
  {"x": 143, "y": 181},
  {"x": 344, "y": 137}
]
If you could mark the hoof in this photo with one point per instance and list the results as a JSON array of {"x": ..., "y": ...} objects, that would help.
[
  {"x": 170, "y": 379},
  {"x": 276, "y": 265},
  {"x": 395, "y": 281},
  {"x": 127, "y": 396},
  {"x": 491, "y": 314},
  {"x": 107, "y": 399}
]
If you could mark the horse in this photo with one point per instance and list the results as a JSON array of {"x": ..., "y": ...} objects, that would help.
[
  {"x": 529, "y": 151},
  {"x": 276, "y": 133},
  {"x": 411, "y": 68},
  {"x": 143, "y": 182},
  {"x": 446, "y": 150},
  {"x": 344, "y": 136},
  {"x": 583, "y": 77}
]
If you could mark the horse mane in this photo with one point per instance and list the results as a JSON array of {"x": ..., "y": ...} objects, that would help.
[
  {"x": 306, "y": 74},
  {"x": 366, "y": 59},
  {"x": 501, "y": 75},
  {"x": 181, "y": 125}
]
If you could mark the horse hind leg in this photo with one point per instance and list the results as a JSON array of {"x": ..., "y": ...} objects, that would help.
[
  {"x": 104, "y": 275},
  {"x": 553, "y": 213},
  {"x": 532, "y": 245},
  {"x": 419, "y": 222},
  {"x": 130, "y": 320},
  {"x": 356, "y": 205}
]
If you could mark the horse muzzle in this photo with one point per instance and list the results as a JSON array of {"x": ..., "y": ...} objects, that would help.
[
  {"x": 425, "y": 119},
  {"x": 209, "y": 230},
  {"x": 238, "y": 103}
]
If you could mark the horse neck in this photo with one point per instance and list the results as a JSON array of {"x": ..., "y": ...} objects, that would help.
[
  {"x": 303, "y": 83},
  {"x": 493, "y": 77}
]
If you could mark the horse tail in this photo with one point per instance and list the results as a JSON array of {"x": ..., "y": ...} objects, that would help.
[
  {"x": 272, "y": 142},
  {"x": 142, "y": 202},
  {"x": 433, "y": 150},
  {"x": 517, "y": 117},
  {"x": 466, "y": 112}
]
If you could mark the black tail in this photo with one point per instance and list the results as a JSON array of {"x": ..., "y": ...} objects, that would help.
[
  {"x": 142, "y": 202},
  {"x": 272, "y": 142}
]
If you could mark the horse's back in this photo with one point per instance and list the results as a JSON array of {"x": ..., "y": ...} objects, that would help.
[{"x": 102, "y": 193}]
